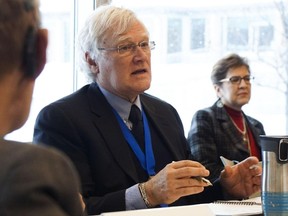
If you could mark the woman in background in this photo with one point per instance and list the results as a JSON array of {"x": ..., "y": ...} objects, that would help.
[{"x": 223, "y": 129}]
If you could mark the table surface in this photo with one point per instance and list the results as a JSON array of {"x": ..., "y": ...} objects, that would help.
[{"x": 198, "y": 210}]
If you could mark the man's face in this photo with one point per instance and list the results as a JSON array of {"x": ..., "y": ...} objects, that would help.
[{"x": 126, "y": 74}]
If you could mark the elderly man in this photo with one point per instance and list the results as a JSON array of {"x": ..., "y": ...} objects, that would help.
[{"x": 129, "y": 160}]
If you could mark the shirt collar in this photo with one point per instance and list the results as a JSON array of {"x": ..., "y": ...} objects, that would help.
[{"x": 121, "y": 105}]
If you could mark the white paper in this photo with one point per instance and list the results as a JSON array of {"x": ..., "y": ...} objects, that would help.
[{"x": 235, "y": 207}]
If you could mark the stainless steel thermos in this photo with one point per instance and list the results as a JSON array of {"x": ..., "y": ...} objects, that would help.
[{"x": 274, "y": 193}]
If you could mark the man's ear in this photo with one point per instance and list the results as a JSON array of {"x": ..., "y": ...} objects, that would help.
[
  {"x": 92, "y": 64},
  {"x": 41, "y": 49}
]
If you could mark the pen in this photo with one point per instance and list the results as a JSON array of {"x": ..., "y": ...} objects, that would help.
[{"x": 199, "y": 178}]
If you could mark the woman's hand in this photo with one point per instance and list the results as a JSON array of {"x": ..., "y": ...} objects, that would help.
[{"x": 241, "y": 180}]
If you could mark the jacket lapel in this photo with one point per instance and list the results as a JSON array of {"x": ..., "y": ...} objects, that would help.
[
  {"x": 111, "y": 130},
  {"x": 163, "y": 125}
]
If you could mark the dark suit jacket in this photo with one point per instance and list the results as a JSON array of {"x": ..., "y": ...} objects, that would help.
[
  {"x": 37, "y": 181},
  {"x": 212, "y": 134},
  {"x": 84, "y": 127}
]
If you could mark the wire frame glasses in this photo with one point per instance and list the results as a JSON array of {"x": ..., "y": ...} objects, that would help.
[{"x": 131, "y": 47}]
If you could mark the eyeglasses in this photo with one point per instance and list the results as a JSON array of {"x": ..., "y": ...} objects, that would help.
[
  {"x": 130, "y": 48},
  {"x": 238, "y": 79}
]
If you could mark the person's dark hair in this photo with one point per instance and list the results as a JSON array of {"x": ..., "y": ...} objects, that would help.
[
  {"x": 222, "y": 67},
  {"x": 17, "y": 18}
]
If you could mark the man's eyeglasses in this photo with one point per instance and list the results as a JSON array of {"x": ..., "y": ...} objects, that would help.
[
  {"x": 238, "y": 79},
  {"x": 130, "y": 48}
]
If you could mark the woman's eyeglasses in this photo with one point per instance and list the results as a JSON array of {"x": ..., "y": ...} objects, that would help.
[{"x": 238, "y": 79}]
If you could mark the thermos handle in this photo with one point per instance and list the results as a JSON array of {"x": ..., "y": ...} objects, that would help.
[
  {"x": 278, "y": 145},
  {"x": 283, "y": 150}
]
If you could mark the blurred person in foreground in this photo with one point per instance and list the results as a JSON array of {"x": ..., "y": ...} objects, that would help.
[
  {"x": 121, "y": 167},
  {"x": 34, "y": 180},
  {"x": 224, "y": 129}
]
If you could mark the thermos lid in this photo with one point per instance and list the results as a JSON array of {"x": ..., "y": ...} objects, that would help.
[{"x": 276, "y": 144}]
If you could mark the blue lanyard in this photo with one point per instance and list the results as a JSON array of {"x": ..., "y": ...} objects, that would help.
[{"x": 146, "y": 159}]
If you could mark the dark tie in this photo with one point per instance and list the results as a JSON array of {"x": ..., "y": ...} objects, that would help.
[{"x": 137, "y": 125}]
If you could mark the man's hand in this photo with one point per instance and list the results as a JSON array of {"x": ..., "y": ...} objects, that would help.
[
  {"x": 241, "y": 180},
  {"x": 175, "y": 181}
]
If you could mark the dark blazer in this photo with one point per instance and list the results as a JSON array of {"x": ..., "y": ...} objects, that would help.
[
  {"x": 37, "y": 181},
  {"x": 84, "y": 127},
  {"x": 212, "y": 134}
]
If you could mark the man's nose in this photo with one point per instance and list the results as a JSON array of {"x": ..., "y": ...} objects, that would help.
[{"x": 139, "y": 52}]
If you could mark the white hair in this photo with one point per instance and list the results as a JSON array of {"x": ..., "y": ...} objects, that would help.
[{"x": 105, "y": 22}]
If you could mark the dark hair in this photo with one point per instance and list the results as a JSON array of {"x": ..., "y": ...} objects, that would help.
[
  {"x": 221, "y": 68},
  {"x": 17, "y": 17}
]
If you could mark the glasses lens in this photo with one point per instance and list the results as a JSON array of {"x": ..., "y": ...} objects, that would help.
[
  {"x": 235, "y": 79},
  {"x": 247, "y": 78},
  {"x": 147, "y": 45},
  {"x": 129, "y": 48},
  {"x": 144, "y": 44},
  {"x": 125, "y": 48}
]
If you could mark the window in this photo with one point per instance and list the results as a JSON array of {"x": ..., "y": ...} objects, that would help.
[
  {"x": 197, "y": 34},
  {"x": 174, "y": 35},
  {"x": 266, "y": 34},
  {"x": 237, "y": 33}
]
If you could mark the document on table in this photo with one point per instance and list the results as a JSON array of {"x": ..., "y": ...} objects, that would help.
[
  {"x": 250, "y": 206},
  {"x": 219, "y": 208},
  {"x": 195, "y": 210}
]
